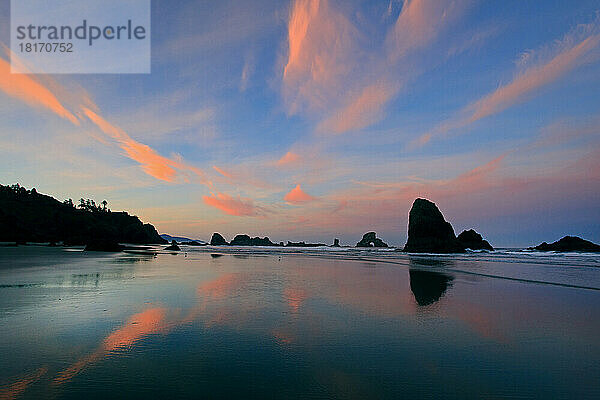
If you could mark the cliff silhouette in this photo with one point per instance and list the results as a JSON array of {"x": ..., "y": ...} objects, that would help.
[{"x": 28, "y": 216}]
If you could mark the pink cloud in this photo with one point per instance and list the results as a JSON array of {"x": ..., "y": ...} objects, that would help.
[
  {"x": 333, "y": 75},
  {"x": 32, "y": 92},
  {"x": 420, "y": 22},
  {"x": 288, "y": 159},
  {"x": 239, "y": 207},
  {"x": 25, "y": 88},
  {"x": 361, "y": 112},
  {"x": 222, "y": 172},
  {"x": 567, "y": 54},
  {"x": 532, "y": 79},
  {"x": 298, "y": 196},
  {"x": 152, "y": 163},
  {"x": 322, "y": 51}
]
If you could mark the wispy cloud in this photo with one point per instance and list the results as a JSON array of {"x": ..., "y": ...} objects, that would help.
[
  {"x": 537, "y": 69},
  {"x": 223, "y": 172},
  {"x": 322, "y": 52},
  {"x": 338, "y": 75},
  {"x": 153, "y": 164},
  {"x": 32, "y": 92},
  {"x": 247, "y": 72},
  {"x": 287, "y": 159},
  {"x": 362, "y": 111},
  {"x": 25, "y": 88},
  {"x": 420, "y": 22},
  {"x": 236, "y": 206}
]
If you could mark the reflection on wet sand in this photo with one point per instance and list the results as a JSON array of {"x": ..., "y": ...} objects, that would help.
[
  {"x": 15, "y": 389},
  {"x": 428, "y": 286},
  {"x": 298, "y": 307},
  {"x": 154, "y": 321},
  {"x": 137, "y": 327},
  {"x": 294, "y": 297}
]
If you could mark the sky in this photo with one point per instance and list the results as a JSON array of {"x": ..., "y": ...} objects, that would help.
[{"x": 314, "y": 119}]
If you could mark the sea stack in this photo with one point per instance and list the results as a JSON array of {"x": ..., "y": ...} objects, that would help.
[
  {"x": 429, "y": 232},
  {"x": 473, "y": 240},
  {"x": 370, "y": 239},
  {"x": 218, "y": 240},
  {"x": 336, "y": 242},
  {"x": 569, "y": 243}
]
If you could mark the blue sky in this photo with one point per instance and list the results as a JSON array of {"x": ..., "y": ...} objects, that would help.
[{"x": 308, "y": 120}]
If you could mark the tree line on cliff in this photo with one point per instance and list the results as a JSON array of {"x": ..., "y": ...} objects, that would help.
[{"x": 28, "y": 216}]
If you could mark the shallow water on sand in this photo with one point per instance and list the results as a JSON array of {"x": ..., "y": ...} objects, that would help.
[{"x": 267, "y": 323}]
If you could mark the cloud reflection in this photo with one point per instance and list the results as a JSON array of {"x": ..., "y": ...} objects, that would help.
[
  {"x": 15, "y": 389},
  {"x": 137, "y": 327}
]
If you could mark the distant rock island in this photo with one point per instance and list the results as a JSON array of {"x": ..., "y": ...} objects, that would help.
[
  {"x": 28, "y": 216},
  {"x": 240, "y": 240},
  {"x": 245, "y": 240},
  {"x": 569, "y": 243},
  {"x": 218, "y": 240},
  {"x": 428, "y": 231},
  {"x": 183, "y": 240},
  {"x": 473, "y": 240},
  {"x": 370, "y": 239}
]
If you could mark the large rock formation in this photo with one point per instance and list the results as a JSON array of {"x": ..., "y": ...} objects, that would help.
[
  {"x": 370, "y": 239},
  {"x": 473, "y": 240},
  {"x": 245, "y": 240},
  {"x": 218, "y": 240},
  {"x": 428, "y": 231},
  {"x": 569, "y": 243},
  {"x": 336, "y": 242}
]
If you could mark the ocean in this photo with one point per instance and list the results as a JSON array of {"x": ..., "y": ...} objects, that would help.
[{"x": 310, "y": 323}]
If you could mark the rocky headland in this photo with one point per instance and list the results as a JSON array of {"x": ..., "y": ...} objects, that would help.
[{"x": 28, "y": 216}]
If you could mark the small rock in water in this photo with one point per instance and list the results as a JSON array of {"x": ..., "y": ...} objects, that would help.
[{"x": 173, "y": 246}]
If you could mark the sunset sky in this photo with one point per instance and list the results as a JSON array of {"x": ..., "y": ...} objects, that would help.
[{"x": 309, "y": 120}]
